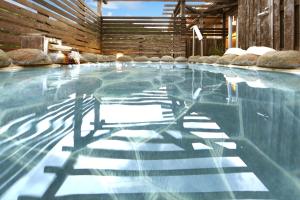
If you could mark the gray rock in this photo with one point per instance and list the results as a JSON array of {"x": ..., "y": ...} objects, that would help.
[
  {"x": 4, "y": 59},
  {"x": 245, "y": 60},
  {"x": 193, "y": 59},
  {"x": 167, "y": 59},
  {"x": 201, "y": 59},
  {"x": 125, "y": 59},
  {"x": 280, "y": 59},
  {"x": 181, "y": 59},
  {"x": 154, "y": 59},
  {"x": 29, "y": 57},
  {"x": 141, "y": 59},
  {"x": 90, "y": 57},
  {"x": 58, "y": 58},
  {"x": 226, "y": 59},
  {"x": 111, "y": 58},
  {"x": 210, "y": 59}
]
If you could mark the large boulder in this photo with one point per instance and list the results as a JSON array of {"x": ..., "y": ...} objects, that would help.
[
  {"x": 181, "y": 59},
  {"x": 201, "y": 59},
  {"x": 154, "y": 59},
  {"x": 124, "y": 59},
  {"x": 101, "y": 58},
  {"x": 235, "y": 51},
  {"x": 280, "y": 59},
  {"x": 167, "y": 59},
  {"x": 4, "y": 59},
  {"x": 111, "y": 58},
  {"x": 58, "y": 58},
  {"x": 29, "y": 57},
  {"x": 193, "y": 59},
  {"x": 141, "y": 59},
  {"x": 245, "y": 60},
  {"x": 210, "y": 59},
  {"x": 90, "y": 57},
  {"x": 259, "y": 51},
  {"x": 226, "y": 59}
]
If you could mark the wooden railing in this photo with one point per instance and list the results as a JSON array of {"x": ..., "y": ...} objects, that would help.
[{"x": 73, "y": 22}]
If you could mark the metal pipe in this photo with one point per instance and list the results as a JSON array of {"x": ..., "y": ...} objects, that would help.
[
  {"x": 230, "y": 31},
  {"x": 193, "y": 42}
]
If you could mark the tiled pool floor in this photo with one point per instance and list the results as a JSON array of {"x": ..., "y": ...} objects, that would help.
[{"x": 113, "y": 132}]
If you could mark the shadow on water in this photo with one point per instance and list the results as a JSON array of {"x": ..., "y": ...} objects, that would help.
[{"x": 203, "y": 133}]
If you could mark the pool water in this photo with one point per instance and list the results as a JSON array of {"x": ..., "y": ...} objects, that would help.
[{"x": 116, "y": 131}]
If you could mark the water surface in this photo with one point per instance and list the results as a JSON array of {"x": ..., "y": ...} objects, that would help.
[{"x": 107, "y": 131}]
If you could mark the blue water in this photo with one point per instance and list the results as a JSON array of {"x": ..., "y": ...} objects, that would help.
[{"x": 107, "y": 131}]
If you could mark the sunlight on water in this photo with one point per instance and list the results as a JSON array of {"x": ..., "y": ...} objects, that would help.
[{"x": 142, "y": 131}]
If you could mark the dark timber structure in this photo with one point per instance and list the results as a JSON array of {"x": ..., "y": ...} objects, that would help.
[{"x": 226, "y": 23}]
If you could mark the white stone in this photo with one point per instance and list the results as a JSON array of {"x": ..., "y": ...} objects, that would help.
[{"x": 259, "y": 51}]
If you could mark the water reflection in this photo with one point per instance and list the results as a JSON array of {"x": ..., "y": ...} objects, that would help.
[{"x": 105, "y": 132}]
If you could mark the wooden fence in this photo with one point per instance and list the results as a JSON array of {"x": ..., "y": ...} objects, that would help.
[
  {"x": 73, "y": 22},
  {"x": 151, "y": 36},
  {"x": 272, "y": 23}
]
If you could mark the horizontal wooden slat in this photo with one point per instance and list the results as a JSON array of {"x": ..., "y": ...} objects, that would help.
[{"x": 71, "y": 21}]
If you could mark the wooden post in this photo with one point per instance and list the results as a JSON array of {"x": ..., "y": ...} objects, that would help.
[
  {"x": 224, "y": 33},
  {"x": 99, "y": 7},
  {"x": 99, "y": 12},
  {"x": 289, "y": 24},
  {"x": 237, "y": 32}
]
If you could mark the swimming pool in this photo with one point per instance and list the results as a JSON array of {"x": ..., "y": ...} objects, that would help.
[{"x": 114, "y": 131}]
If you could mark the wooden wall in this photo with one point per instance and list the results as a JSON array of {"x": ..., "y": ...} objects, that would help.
[
  {"x": 279, "y": 28},
  {"x": 150, "y": 36},
  {"x": 71, "y": 21}
]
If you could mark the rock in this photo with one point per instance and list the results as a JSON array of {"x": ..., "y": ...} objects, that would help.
[
  {"x": 111, "y": 58},
  {"x": 259, "y": 50},
  {"x": 193, "y": 59},
  {"x": 245, "y": 60},
  {"x": 167, "y": 59},
  {"x": 210, "y": 59},
  {"x": 226, "y": 59},
  {"x": 4, "y": 59},
  {"x": 74, "y": 57},
  {"x": 124, "y": 59},
  {"x": 29, "y": 57},
  {"x": 280, "y": 59},
  {"x": 235, "y": 51},
  {"x": 141, "y": 59},
  {"x": 58, "y": 58},
  {"x": 202, "y": 59},
  {"x": 101, "y": 58},
  {"x": 90, "y": 57},
  {"x": 154, "y": 59},
  {"x": 181, "y": 59}
]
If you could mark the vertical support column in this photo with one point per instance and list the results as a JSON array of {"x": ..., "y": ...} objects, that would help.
[
  {"x": 289, "y": 23},
  {"x": 224, "y": 32},
  {"x": 99, "y": 12},
  {"x": 237, "y": 32},
  {"x": 230, "y": 18},
  {"x": 99, "y": 8},
  {"x": 183, "y": 23},
  {"x": 271, "y": 20}
]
